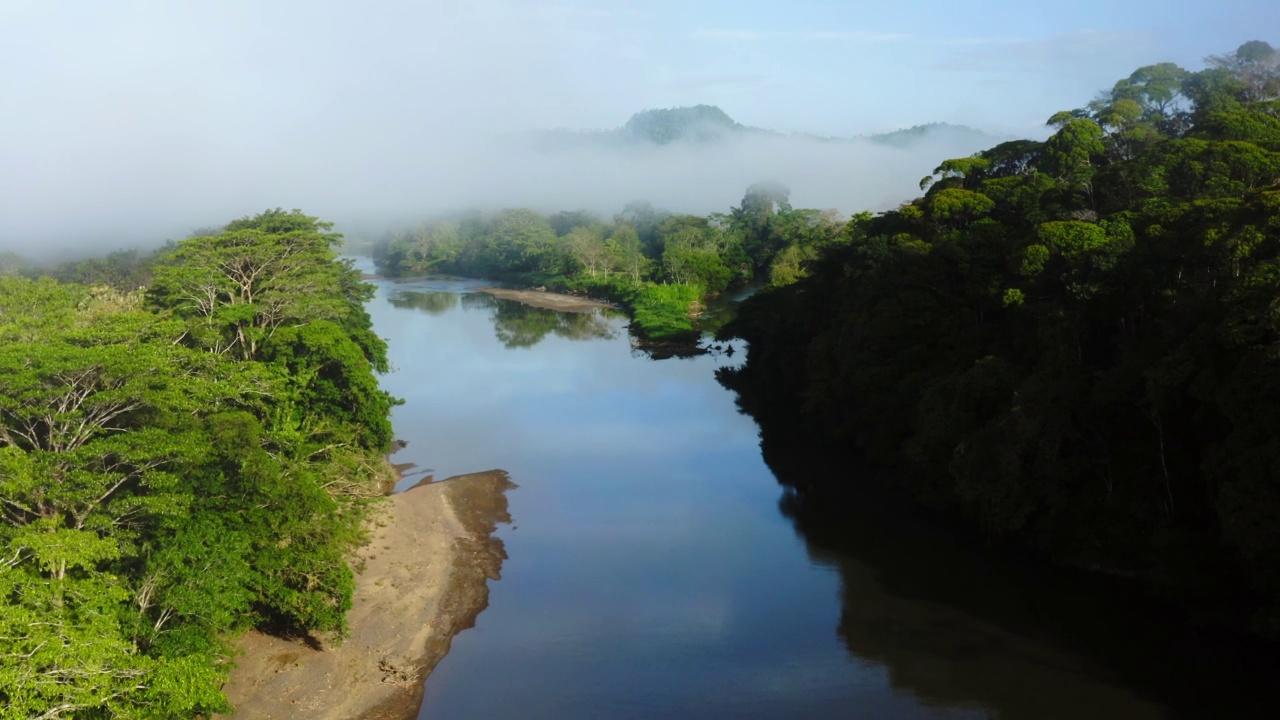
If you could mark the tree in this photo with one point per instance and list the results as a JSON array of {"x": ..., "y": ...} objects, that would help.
[
  {"x": 752, "y": 219},
  {"x": 431, "y": 246},
  {"x": 520, "y": 240},
  {"x": 956, "y": 208},
  {"x": 238, "y": 288},
  {"x": 328, "y": 376},
  {"x": 1073, "y": 347},
  {"x": 1256, "y": 66},
  {"x": 565, "y": 221},
  {"x": 1157, "y": 90},
  {"x": 587, "y": 247},
  {"x": 156, "y": 497},
  {"x": 966, "y": 172},
  {"x": 96, "y": 435},
  {"x": 1069, "y": 154},
  {"x": 645, "y": 218},
  {"x": 624, "y": 244}
]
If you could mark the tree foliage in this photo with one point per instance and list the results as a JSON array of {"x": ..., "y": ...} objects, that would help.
[
  {"x": 631, "y": 260},
  {"x": 176, "y": 472},
  {"x": 1072, "y": 343}
]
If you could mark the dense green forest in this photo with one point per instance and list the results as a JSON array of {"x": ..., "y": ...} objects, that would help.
[
  {"x": 1074, "y": 344},
  {"x": 187, "y": 443}
]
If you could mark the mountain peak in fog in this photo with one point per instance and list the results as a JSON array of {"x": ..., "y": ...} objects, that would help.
[
  {"x": 697, "y": 123},
  {"x": 709, "y": 124}
]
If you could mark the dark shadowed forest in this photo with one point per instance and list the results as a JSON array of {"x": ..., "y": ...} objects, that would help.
[{"x": 1074, "y": 343}]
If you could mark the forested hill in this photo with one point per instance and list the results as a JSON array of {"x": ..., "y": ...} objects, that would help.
[
  {"x": 700, "y": 123},
  {"x": 180, "y": 463},
  {"x": 1074, "y": 344},
  {"x": 957, "y": 135},
  {"x": 703, "y": 124}
]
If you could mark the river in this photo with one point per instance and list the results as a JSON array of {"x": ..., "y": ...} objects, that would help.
[{"x": 657, "y": 569}]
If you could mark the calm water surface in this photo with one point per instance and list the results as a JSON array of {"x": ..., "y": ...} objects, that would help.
[{"x": 653, "y": 571}]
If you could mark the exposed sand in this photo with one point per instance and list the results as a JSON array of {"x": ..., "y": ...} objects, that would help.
[
  {"x": 548, "y": 300},
  {"x": 421, "y": 580}
]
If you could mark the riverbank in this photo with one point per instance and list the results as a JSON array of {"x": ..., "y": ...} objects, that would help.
[
  {"x": 546, "y": 300},
  {"x": 420, "y": 580}
]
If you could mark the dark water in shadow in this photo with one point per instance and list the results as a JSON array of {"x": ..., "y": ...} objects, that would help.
[{"x": 651, "y": 572}]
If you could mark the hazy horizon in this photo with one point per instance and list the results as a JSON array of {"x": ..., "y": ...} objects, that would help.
[{"x": 130, "y": 123}]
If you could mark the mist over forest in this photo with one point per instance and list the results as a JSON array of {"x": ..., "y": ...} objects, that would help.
[
  {"x": 131, "y": 125},
  {"x": 367, "y": 188}
]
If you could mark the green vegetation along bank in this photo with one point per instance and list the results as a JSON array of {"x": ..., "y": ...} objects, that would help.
[
  {"x": 1074, "y": 344},
  {"x": 180, "y": 463},
  {"x": 658, "y": 266}
]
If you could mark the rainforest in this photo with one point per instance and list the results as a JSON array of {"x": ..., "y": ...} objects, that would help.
[
  {"x": 1061, "y": 360},
  {"x": 179, "y": 462},
  {"x": 1071, "y": 343}
]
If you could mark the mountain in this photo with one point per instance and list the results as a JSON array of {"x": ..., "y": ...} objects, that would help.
[
  {"x": 936, "y": 131},
  {"x": 697, "y": 124},
  {"x": 708, "y": 124}
]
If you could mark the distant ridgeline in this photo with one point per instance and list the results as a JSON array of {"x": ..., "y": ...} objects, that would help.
[
  {"x": 700, "y": 123},
  {"x": 706, "y": 124},
  {"x": 959, "y": 135},
  {"x": 1073, "y": 344}
]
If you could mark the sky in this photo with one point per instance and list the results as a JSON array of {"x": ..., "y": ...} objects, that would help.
[{"x": 143, "y": 117}]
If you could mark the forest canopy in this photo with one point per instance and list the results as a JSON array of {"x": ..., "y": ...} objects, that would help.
[
  {"x": 1074, "y": 343},
  {"x": 659, "y": 265},
  {"x": 179, "y": 463}
]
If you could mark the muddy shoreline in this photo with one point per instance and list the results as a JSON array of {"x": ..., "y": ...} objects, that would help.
[
  {"x": 547, "y": 300},
  {"x": 421, "y": 579}
]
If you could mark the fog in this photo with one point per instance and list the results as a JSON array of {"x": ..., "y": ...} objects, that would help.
[
  {"x": 516, "y": 171},
  {"x": 131, "y": 122},
  {"x": 106, "y": 202}
]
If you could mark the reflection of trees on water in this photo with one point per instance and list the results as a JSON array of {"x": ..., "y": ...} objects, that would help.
[
  {"x": 474, "y": 300},
  {"x": 959, "y": 627},
  {"x": 897, "y": 594},
  {"x": 515, "y": 324},
  {"x": 430, "y": 302},
  {"x": 518, "y": 325}
]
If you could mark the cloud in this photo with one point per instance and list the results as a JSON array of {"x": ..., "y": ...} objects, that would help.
[
  {"x": 704, "y": 82},
  {"x": 1052, "y": 55},
  {"x": 741, "y": 35},
  {"x": 140, "y": 121}
]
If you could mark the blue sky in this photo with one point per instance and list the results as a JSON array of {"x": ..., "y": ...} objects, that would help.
[
  {"x": 161, "y": 108},
  {"x": 830, "y": 67},
  {"x": 851, "y": 67}
]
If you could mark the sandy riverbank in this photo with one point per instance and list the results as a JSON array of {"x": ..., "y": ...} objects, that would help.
[
  {"x": 421, "y": 580},
  {"x": 548, "y": 300}
]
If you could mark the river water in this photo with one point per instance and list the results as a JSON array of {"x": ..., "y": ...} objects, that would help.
[{"x": 657, "y": 569}]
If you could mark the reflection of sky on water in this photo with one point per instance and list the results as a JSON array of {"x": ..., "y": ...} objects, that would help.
[{"x": 650, "y": 572}]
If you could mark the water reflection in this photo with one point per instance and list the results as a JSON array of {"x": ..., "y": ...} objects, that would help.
[
  {"x": 938, "y": 650},
  {"x": 959, "y": 624},
  {"x": 522, "y": 326},
  {"x": 651, "y": 574},
  {"x": 478, "y": 301},
  {"x": 428, "y": 301},
  {"x": 516, "y": 325}
]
